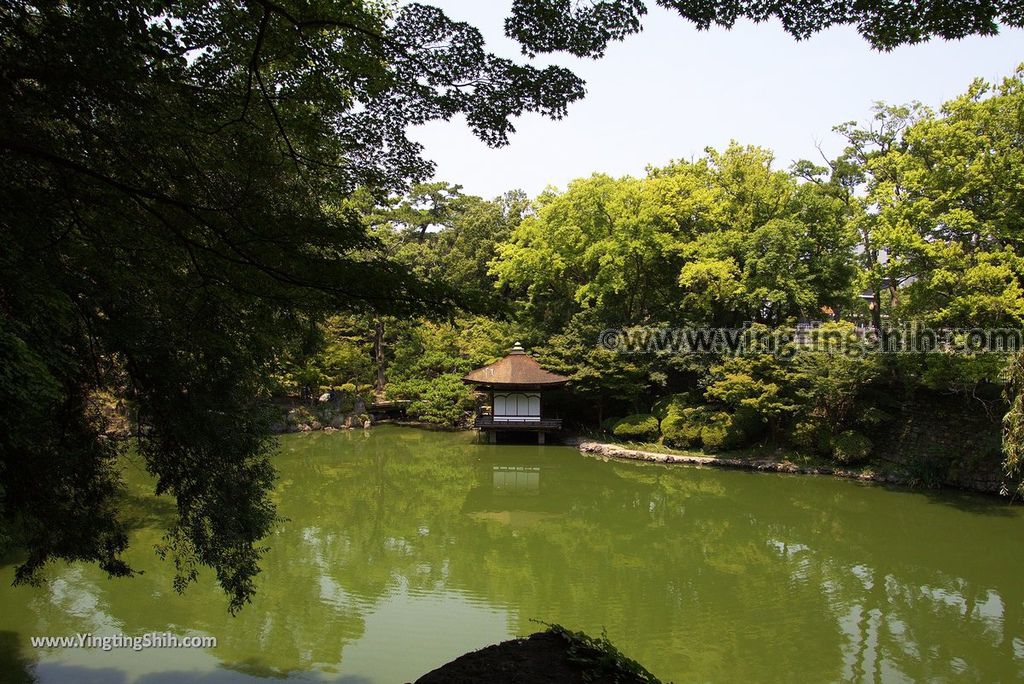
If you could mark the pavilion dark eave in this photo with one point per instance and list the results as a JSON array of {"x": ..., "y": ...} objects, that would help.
[{"x": 517, "y": 370}]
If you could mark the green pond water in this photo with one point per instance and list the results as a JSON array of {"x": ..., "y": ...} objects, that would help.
[{"x": 403, "y": 549}]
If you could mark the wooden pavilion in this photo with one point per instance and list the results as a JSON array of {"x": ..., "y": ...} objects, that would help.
[{"x": 515, "y": 385}]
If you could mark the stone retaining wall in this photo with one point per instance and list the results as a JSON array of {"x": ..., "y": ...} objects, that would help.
[{"x": 761, "y": 465}]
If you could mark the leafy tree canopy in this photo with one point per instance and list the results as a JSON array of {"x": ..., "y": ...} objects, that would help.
[
  {"x": 585, "y": 29},
  {"x": 177, "y": 181}
]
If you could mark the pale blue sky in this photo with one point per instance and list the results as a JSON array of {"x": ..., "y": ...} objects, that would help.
[{"x": 670, "y": 91}]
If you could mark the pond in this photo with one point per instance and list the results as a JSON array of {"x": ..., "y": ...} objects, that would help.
[{"x": 403, "y": 549}]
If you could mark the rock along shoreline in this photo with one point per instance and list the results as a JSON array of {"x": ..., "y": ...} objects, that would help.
[
  {"x": 615, "y": 451},
  {"x": 760, "y": 465}
]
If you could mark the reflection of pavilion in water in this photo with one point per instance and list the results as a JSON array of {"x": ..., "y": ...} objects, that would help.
[
  {"x": 516, "y": 480},
  {"x": 515, "y": 493}
]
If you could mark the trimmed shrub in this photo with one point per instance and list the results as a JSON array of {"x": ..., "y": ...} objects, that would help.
[
  {"x": 682, "y": 426},
  {"x": 672, "y": 426},
  {"x": 608, "y": 424},
  {"x": 666, "y": 405},
  {"x": 697, "y": 425},
  {"x": 851, "y": 447},
  {"x": 713, "y": 437},
  {"x": 300, "y": 415},
  {"x": 811, "y": 437},
  {"x": 443, "y": 400},
  {"x": 725, "y": 431},
  {"x": 639, "y": 426}
]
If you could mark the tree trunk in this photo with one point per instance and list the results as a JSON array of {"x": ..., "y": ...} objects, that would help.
[
  {"x": 894, "y": 296},
  {"x": 378, "y": 354},
  {"x": 876, "y": 311}
]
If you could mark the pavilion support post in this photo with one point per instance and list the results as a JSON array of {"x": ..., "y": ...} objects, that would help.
[
  {"x": 492, "y": 436},
  {"x": 540, "y": 438}
]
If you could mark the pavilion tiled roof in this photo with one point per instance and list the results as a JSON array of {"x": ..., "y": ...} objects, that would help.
[{"x": 518, "y": 368}]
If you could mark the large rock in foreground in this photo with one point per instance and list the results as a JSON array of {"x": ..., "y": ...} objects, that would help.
[{"x": 556, "y": 655}]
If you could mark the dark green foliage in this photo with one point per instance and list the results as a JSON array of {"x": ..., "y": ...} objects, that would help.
[
  {"x": 851, "y": 448},
  {"x": 586, "y": 29},
  {"x": 603, "y": 661},
  {"x": 444, "y": 400},
  {"x": 177, "y": 182},
  {"x": 608, "y": 424},
  {"x": 610, "y": 381},
  {"x": 812, "y": 437},
  {"x": 1013, "y": 421},
  {"x": 748, "y": 425},
  {"x": 926, "y": 470},
  {"x": 715, "y": 430},
  {"x": 724, "y": 431},
  {"x": 53, "y": 465},
  {"x": 682, "y": 426},
  {"x": 641, "y": 427},
  {"x": 667, "y": 405},
  {"x": 834, "y": 393}
]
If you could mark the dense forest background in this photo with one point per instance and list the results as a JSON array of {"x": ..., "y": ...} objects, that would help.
[{"x": 919, "y": 222}]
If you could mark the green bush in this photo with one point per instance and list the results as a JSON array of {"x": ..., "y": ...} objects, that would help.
[
  {"x": 851, "y": 447},
  {"x": 713, "y": 437},
  {"x": 874, "y": 416},
  {"x": 672, "y": 427},
  {"x": 691, "y": 432},
  {"x": 682, "y": 426},
  {"x": 666, "y": 405},
  {"x": 639, "y": 426},
  {"x": 725, "y": 431},
  {"x": 298, "y": 416},
  {"x": 812, "y": 437},
  {"x": 746, "y": 426},
  {"x": 608, "y": 424},
  {"x": 716, "y": 431},
  {"x": 413, "y": 388},
  {"x": 443, "y": 400}
]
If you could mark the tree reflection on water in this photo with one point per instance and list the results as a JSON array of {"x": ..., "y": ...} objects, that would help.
[{"x": 445, "y": 545}]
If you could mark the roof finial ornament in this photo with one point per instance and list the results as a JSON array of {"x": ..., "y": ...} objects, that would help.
[{"x": 517, "y": 370}]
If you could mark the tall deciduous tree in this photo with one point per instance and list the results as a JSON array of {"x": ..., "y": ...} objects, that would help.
[
  {"x": 173, "y": 179},
  {"x": 941, "y": 239}
]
